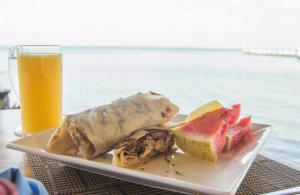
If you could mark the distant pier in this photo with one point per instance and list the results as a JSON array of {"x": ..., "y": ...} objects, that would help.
[{"x": 273, "y": 52}]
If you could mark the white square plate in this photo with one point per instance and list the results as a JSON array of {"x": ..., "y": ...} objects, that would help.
[{"x": 183, "y": 174}]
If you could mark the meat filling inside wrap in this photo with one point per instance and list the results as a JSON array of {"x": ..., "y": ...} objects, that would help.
[{"x": 142, "y": 146}]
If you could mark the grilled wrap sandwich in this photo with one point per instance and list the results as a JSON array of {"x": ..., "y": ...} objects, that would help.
[{"x": 96, "y": 131}]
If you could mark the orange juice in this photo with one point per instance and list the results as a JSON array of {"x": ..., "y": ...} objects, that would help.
[{"x": 40, "y": 82}]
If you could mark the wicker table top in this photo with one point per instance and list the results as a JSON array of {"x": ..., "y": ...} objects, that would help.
[{"x": 265, "y": 175}]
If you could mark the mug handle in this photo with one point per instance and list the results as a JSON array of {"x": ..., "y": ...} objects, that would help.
[{"x": 13, "y": 69}]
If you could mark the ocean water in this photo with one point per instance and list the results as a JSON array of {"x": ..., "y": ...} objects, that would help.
[{"x": 268, "y": 88}]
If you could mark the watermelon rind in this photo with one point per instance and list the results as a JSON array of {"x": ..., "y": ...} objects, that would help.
[
  {"x": 227, "y": 147},
  {"x": 196, "y": 146}
]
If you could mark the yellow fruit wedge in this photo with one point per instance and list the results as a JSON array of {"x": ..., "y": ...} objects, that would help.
[{"x": 208, "y": 107}]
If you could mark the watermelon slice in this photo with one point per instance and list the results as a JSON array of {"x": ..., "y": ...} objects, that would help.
[
  {"x": 238, "y": 133},
  {"x": 235, "y": 114},
  {"x": 204, "y": 137}
]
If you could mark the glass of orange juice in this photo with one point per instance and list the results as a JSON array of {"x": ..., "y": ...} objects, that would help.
[{"x": 39, "y": 70}]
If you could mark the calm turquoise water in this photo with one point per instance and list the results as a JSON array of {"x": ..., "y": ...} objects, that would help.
[{"x": 267, "y": 87}]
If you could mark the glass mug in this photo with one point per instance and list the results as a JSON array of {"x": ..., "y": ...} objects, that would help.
[{"x": 39, "y": 85}]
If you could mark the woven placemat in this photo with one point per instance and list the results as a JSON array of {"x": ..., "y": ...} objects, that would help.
[{"x": 265, "y": 175}]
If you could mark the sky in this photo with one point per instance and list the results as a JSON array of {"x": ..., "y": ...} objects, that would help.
[{"x": 152, "y": 23}]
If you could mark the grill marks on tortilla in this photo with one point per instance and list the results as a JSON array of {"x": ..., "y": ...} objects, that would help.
[
  {"x": 104, "y": 117},
  {"x": 164, "y": 114},
  {"x": 168, "y": 110},
  {"x": 153, "y": 93},
  {"x": 141, "y": 107}
]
